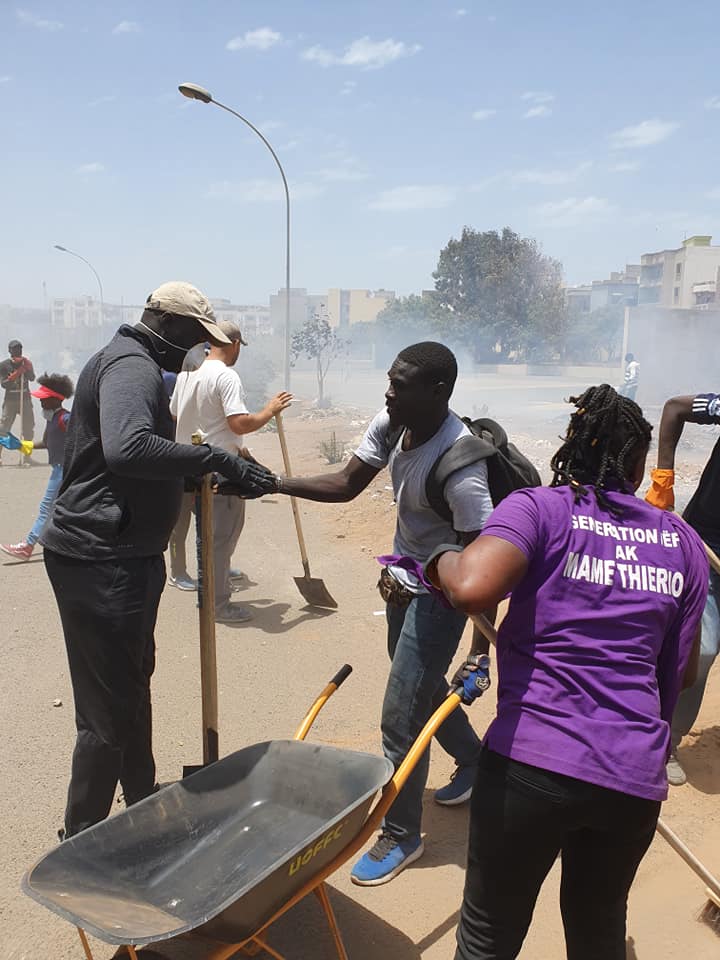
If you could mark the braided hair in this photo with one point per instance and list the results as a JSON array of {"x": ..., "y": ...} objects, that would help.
[{"x": 605, "y": 436}]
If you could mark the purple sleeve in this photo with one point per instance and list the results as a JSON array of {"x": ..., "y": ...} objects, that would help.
[
  {"x": 517, "y": 520},
  {"x": 678, "y": 642}
]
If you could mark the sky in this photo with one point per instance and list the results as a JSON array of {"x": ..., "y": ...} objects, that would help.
[{"x": 594, "y": 128}]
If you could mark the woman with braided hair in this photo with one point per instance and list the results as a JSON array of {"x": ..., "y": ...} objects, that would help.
[{"x": 601, "y": 634}]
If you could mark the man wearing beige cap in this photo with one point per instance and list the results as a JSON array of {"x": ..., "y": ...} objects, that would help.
[
  {"x": 119, "y": 499},
  {"x": 211, "y": 400}
]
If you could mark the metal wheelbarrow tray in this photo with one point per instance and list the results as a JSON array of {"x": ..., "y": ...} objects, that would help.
[{"x": 231, "y": 848}]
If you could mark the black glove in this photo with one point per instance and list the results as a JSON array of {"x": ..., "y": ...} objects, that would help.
[{"x": 249, "y": 479}]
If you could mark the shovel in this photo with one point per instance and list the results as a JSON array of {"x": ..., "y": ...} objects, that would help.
[{"x": 312, "y": 588}]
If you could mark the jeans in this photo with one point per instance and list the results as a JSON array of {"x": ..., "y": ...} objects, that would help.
[
  {"x": 108, "y": 610},
  {"x": 49, "y": 497},
  {"x": 422, "y": 640},
  {"x": 690, "y": 700},
  {"x": 521, "y": 818}
]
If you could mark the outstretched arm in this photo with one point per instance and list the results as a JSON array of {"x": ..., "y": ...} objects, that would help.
[
  {"x": 338, "y": 487},
  {"x": 676, "y": 413}
]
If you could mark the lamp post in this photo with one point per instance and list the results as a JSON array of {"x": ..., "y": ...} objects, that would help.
[
  {"x": 97, "y": 277},
  {"x": 194, "y": 92}
]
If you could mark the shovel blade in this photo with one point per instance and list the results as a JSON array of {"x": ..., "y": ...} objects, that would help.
[{"x": 315, "y": 592}]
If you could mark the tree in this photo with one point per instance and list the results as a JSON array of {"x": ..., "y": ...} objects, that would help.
[
  {"x": 597, "y": 336},
  {"x": 500, "y": 296},
  {"x": 317, "y": 341},
  {"x": 403, "y": 321}
]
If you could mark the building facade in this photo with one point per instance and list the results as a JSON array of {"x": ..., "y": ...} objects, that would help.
[{"x": 682, "y": 278}]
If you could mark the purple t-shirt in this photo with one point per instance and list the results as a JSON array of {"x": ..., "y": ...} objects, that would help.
[{"x": 594, "y": 646}]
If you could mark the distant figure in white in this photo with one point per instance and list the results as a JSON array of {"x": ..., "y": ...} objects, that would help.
[{"x": 632, "y": 377}]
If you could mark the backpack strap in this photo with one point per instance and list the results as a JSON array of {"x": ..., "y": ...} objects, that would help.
[{"x": 464, "y": 452}]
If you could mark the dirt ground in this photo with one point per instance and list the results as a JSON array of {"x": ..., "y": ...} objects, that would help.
[{"x": 270, "y": 671}]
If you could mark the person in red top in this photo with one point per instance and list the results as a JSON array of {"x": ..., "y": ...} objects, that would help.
[
  {"x": 53, "y": 390},
  {"x": 15, "y": 375}
]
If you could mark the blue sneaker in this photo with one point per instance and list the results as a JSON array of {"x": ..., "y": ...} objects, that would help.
[
  {"x": 460, "y": 788},
  {"x": 385, "y": 860}
]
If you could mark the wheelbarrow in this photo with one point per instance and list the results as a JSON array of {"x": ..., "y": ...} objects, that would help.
[{"x": 225, "y": 852}]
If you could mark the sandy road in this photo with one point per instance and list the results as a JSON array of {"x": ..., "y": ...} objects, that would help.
[{"x": 270, "y": 671}]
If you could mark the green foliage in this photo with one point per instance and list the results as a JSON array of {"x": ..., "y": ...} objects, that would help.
[
  {"x": 317, "y": 341},
  {"x": 597, "y": 336},
  {"x": 333, "y": 449},
  {"x": 403, "y": 321},
  {"x": 500, "y": 296}
]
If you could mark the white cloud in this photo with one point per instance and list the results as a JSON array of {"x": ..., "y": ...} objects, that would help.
[
  {"x": 99, "y": 101},
  {"x": 574, "y": 211},
  {"x": 261, "y": 191},
  {"x": 32, "y": 20},
  {"x": 625, "y": 166},
  {"x": 126, "y": 26},
  {"x": 539, "y": 111},
  {"x": 364, "y": 53},
  {"x": 713, "y": 194},
  {"x": 538, "y": 96},
  {"x": 644, "y": 134},
  {"x": 712, "y": 103},
  {"x": 414, "y": 197},
  {"x": 5, "y": 79},
  {"x": 90, "y": 168},
  {"x": 267, "y": 126},
  {"x": 342, "y": 174},
  {"x": 483, "y": 114},
  {"x": 548, "y": 178},
  {"x": 460, "y": 12},
  {"x": 261, "y": 39},
  {"x": 348, "y": 87}
]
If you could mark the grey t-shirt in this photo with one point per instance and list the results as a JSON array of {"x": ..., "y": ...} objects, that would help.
[{"x": 419, "y": 529}]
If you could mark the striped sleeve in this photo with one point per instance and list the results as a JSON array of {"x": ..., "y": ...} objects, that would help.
[{"x": 706, "y": 408}]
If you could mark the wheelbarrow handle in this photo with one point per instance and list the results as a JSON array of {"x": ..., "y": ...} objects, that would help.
[{"x": 339, "y": 678}]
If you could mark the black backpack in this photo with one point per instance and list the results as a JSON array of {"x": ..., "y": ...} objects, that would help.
[{"x": 507, "y": 468}]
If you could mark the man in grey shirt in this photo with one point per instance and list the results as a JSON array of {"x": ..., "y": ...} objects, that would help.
[{"x": 416, "y": 427}]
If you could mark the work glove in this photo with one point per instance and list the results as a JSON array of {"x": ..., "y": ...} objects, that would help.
[
  {"x": 248, "y": 480},
  {"x": 473, "y": 677},
  {"x": 661, "y": 493}
]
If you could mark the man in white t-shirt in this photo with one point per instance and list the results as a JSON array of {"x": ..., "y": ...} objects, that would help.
[
  {"x": 408, "y": 436},
  {"x": 211, "y": 400}
]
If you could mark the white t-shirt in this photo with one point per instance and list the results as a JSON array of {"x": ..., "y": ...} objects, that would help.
[
  {"x": 203, "y": 399},
  {"x": 632, "y": 373},
  {"x": 419, "y": 529}
]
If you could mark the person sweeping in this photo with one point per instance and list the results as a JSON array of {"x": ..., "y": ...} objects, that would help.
[{"x": 601, "y": 634}]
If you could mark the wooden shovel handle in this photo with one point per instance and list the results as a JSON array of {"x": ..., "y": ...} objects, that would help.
[{"x": 293, "y": 501}]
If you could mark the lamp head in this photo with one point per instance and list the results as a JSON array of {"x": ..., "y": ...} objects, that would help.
[
  {"x": 194, "y": 92},
  {"x": 58, "y": 247}
]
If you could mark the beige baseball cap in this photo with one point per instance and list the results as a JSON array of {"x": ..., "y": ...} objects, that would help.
[{"x": 185, "y": 300}]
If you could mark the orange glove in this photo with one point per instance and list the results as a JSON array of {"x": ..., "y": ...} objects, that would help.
[{"x": 661, "y": 493}]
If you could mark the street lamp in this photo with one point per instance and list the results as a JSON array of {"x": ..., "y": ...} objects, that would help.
[
  {"x": 97, "y": 277},
  {"x": 194, "y": 92}
]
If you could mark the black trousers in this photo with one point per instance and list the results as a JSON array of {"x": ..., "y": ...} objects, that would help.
[
  {"x": 521, "y": 818},
  {"x": 108, "y": 611}
]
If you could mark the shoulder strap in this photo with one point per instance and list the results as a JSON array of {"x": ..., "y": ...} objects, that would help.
[{"x": 464, "y": 452}]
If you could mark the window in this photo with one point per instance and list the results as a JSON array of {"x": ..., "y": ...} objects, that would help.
[
  {"x": 678, "y": 271},
  {"x": 676, "y": 295}
]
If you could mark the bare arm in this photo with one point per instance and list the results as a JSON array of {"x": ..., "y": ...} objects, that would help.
[
  {"x": 676, "y": 413},
  {"x": 691, "y": 670},
  {"x": 242, "y": 423},
  {"x": 338, "y": 487},
  {"x": 478, "y": 578},
  {"x": 480, "y": 643}
]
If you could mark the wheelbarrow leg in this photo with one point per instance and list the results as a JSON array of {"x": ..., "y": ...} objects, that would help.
[
  {"x": 85, "y": 944},
  {"x": 322, "y": 895}
]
